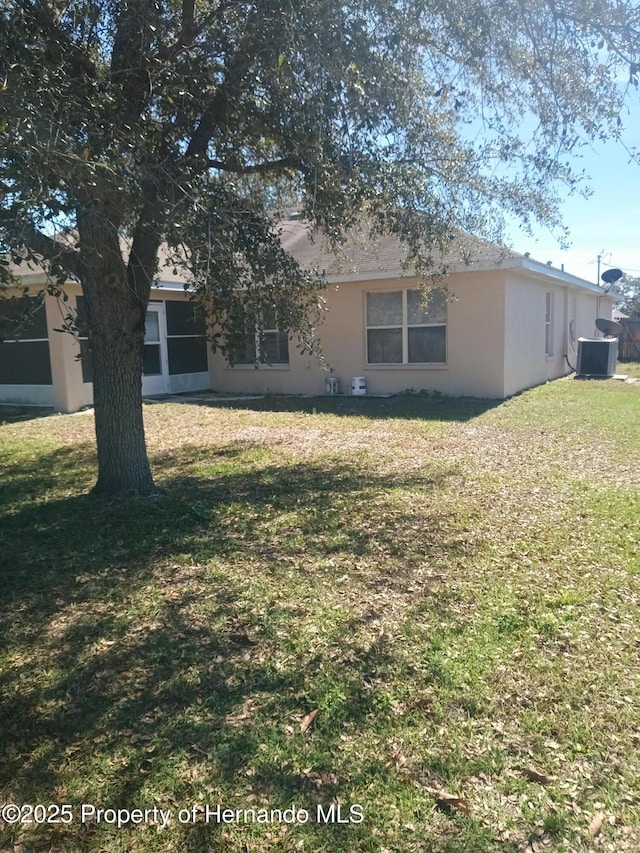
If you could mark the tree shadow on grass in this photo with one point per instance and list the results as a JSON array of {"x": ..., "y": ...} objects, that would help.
[
  {"x": 61, "y": 551},
  {"x": 139, "y": 666},
  {"x": 10, "y": 414},
  {"x": 419, "y": 406}
]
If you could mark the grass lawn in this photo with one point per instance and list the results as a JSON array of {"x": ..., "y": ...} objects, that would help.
[{"x": 423, "y": 610}]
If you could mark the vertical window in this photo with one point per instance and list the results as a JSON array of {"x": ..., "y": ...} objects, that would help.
[
  {"x": 548, "y": 324},
  {"x": 152, "y": 349},
  {"x": 426, "y": 327},
  {"x": 572, "y": 321},
  {"x": 385, "y": 321},
  {"x": 404, "y": 327},
  {"x": 264, "y": 345},
  {"x": 273, "y": 345}
]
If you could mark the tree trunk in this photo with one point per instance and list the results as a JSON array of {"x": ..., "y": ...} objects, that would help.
[
  {"x": 123, "y": 465},
  {"x": 116, "y": 309}
]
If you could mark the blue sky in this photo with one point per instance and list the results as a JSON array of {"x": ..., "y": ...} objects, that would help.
[{"x": 608, "y": 222}]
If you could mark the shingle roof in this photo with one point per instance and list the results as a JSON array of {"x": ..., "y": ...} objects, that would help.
[{"x": 360, "y": 255}]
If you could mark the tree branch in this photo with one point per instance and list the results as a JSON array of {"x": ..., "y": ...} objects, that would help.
[
  {"x": 189, "y": 31},
  {"x": 143, "y": 257},
  {"x": 44, "y": 16},
  {"x": 229, "y": 92},
  {"x": 256, "y": 168},
  {"x": 23, "y": 233},
  {"x": 188, "y": 11},
  {"x": 136, "y": 26}
]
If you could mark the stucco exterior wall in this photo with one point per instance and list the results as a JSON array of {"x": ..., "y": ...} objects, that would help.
[
  {"x": 475, "y": 342},
  {"x": 495, "y": 343},
  {"x": 574, "y": 311},
  {"x": 526, "y": 363}
]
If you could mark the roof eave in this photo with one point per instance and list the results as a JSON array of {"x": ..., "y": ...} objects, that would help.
[{"x": 546, "y": 271}]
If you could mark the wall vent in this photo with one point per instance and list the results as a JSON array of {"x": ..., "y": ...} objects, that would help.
[{"x": 597, "y": 356}]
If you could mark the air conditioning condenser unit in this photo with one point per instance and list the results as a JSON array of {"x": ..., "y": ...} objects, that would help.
[{"x": 597, "y": 356}]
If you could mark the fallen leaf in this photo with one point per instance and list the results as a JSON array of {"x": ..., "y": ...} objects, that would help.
[
  {"x": 596, "y": 825},
  {"x": 240, "y": 717},
  {"x": 448, "y": 801},
  {"x": 534, "y": 775},
  {"x": 306, "y": 721},
  {"x": 241, "y": 638}
]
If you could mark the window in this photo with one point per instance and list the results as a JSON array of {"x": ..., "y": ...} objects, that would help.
[
  {"x": 548, "y": 324},
  {"x": 403, "y": 328},
  {"x": 266, "y": 345},
  {"x": 24, "y": 357},
  {"x": 186, "y": 338},
  {"x": 572, "y": 320}
]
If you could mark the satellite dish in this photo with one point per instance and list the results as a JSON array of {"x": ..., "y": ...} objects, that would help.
[
  {"x": 608, "y": 327},
  {"x": 610, "y": 276}
]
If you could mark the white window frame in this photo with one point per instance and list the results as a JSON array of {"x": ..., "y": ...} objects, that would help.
[
  {"x": 548, "y": 324},
  {"x": 405, "y": 331},
  {"x": 259, "y": 334}
]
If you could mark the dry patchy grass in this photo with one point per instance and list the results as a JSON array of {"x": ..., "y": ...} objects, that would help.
[{"x": 423, "y": 606}]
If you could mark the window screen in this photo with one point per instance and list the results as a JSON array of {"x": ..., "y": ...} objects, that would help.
[
  {"x": 186, "y": 338},
  {"x": 23, "y": 318},
  {"x": 24, "y": 355},
  {"x": 25, "y": 363},
  {"x": 184, "y": 318}
]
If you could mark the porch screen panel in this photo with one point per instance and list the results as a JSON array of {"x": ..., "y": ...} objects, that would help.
[
  {"x": 187, "y": 355},
  {"x": 24, "y": 354},
  {"x": 25, "y": 363},
  {"x": 186, "y": 338}
]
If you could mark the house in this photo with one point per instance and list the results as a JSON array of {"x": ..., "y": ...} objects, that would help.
[{"x": 497, "y": 325}]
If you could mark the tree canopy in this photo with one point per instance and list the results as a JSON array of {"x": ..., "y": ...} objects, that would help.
[
  {"x": 185, "y": 122},
  {"x": 627, "y": 291}
]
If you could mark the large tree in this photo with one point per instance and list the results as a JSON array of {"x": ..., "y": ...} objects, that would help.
[{"x": 128, "y": 124}]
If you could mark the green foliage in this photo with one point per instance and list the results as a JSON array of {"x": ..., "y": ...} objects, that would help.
[
  {"x": 628, "y": 289},
  {"x": 172, "y": 118}
]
